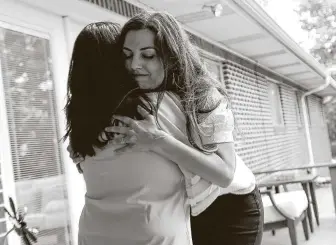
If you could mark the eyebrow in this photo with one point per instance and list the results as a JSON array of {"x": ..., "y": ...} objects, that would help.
[{"x": 144, "y": 48}]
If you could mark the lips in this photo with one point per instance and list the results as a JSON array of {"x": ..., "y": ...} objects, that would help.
[{"x": 140, "y": 75}]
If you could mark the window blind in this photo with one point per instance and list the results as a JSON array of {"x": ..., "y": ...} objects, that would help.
[{"x": 33, "y": 132}]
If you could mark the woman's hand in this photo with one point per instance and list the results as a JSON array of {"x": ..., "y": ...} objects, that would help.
[
  {"x": 143, "y": 133},
  {"x": 75, "y": 159}
]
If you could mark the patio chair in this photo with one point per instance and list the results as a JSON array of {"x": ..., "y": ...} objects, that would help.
[{"x": 286, "y": 209}]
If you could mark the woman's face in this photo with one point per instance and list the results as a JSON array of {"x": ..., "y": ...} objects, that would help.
[{"x": 142, "y": 59}]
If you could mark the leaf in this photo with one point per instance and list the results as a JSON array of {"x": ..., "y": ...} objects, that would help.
[
  {"x": 31, "y": 236},
  {"x": 12, "y": 205},
  {"x": 25, "y": 239},
  {"x": 319, "y": 16}
]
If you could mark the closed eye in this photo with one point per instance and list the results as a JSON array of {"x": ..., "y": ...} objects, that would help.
[{"x": 148, "y": 56}]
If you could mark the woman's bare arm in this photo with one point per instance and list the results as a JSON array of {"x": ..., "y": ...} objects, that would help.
[{"x": 217, "y": 168}]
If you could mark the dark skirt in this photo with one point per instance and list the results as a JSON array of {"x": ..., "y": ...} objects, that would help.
[{"x": 231, "y": 219}]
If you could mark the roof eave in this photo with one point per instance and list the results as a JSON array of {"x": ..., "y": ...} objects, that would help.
[{"x": 255, "y": 12}]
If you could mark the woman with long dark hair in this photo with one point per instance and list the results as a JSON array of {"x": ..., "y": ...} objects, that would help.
[{"x": 97, "y": 83}]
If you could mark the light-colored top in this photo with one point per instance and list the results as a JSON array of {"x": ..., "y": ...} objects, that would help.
[
  {"x": 135, "y": 198},
  {"x": 217, "y": 127}
]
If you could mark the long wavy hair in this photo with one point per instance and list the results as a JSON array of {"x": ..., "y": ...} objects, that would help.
[
  {"x": 98, "y": 87},
  {"x": 185, "y": 73}
]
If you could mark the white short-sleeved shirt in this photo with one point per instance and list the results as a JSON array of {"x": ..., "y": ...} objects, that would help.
[
  {"x": 216, "y": 127},
  {"x": 138, "y": 198}
]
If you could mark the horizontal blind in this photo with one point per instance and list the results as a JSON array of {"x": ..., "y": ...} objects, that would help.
[
  {"x": 318, "y": 130},
  {"x": 293, "y": 138},
  {"x": 34, "y": 139},
  {"x": 316, "y": 111},
  {"x": 249, "y": 95},
  {"x": 258, "y": 143}
]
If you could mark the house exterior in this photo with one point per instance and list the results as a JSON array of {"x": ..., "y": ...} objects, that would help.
[{"x": 265, "y": 72}]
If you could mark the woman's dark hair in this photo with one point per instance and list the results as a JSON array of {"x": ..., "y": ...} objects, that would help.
[
  {"x": 185, "y": 74},
  {"x": 98, "y": 87}
]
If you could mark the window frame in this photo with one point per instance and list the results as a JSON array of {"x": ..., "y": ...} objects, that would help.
[{"x": 206, "y": 59}]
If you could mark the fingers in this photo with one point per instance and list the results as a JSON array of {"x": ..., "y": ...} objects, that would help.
[
  {"x": 78, "y": 159},
  {"x": 75, "y": 158},
  {"x": 69, "y": 149},
  {"x": 71, "y": 152},
  {"x": 143, "y": 112},
  {"x": 125, "y": 120},
  {"x": 116, "y": 136},
  {"x": 72, "y": 155},
  {"x": 102, "y": 137},
  {"x": 124, "y": 140},
  {"x": 119, "y": 130}
]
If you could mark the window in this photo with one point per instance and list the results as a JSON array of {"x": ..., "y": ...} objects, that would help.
[
  {"x": 215, "y": 68},
  {"x": 315, "y": 110},
  {"x": 29, "y": 97},
  {"x": 276, "y": 105}
]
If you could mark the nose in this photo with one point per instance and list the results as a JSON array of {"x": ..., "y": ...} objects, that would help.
[{"x": 136, "y": 62}]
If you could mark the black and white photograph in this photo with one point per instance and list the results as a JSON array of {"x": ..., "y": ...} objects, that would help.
[{"x": 167, "y": 122}]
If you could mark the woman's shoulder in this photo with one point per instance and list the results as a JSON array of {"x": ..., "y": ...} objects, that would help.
[
  {"x": 214, "y": 102},
  {"x": 211, "y": 99},
  {"x": 219, "y": 116}
]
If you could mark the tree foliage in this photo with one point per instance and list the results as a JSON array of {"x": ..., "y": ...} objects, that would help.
[{"x": 318, "y": 18}]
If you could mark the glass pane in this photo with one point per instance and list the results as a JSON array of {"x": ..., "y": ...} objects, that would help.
[
  {"x": 29, "y": 97},
  {"x": 30, "y": 103},
  {"x": 276, "y": 107},
  {"x": 214, "y": 68}
]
